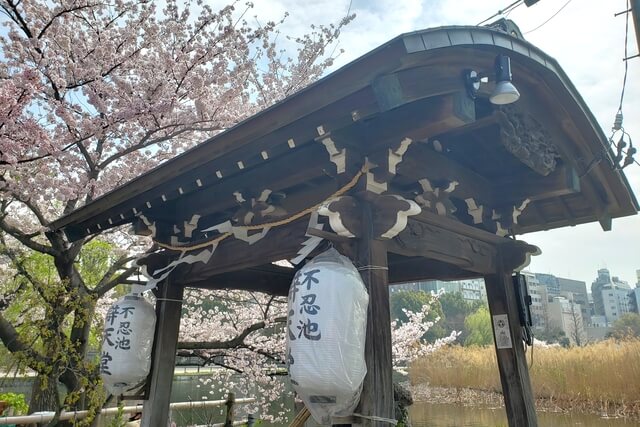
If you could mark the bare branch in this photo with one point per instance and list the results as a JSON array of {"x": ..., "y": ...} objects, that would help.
[
  {"x": 105, "y": 286},
  {"x": 60, "y": 14},
  {"x": 146, "y": 141},
  {"x": 235, "y": 342}
]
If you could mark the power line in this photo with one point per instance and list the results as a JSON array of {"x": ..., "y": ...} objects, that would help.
[
  {"x": 626, "y": 62},
  {"x": 550, "y": 18},
  {"x": 506, "y": 10},
  {"x": 617, "y": 124}
]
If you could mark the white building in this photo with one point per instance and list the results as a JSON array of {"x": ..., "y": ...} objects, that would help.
[
  {"x": 616, "y": 302},
  {"x": 539, "y": 300},
  {"x": 567, "y": 316},
  {"x": 471, "y": 290}
]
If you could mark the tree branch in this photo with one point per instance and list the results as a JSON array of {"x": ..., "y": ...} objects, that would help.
[
  {"x": 104, "y": 286},
  {"x": 61, "y": 13},
  {"x": 22, "y": 270},
  {"x": 147, "y": 142},
  {"x": 228, "y": 344},
  {"x": 11, "y": 339},
  {"x": 25, "y": 239}
]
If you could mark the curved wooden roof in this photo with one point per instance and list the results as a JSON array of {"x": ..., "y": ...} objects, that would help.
[{"x": 545, "y": 152}]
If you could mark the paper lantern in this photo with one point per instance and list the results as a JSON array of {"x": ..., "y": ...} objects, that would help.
[
  {"x": 326, "y": 329},
  {"x": 125, "y": 358}
]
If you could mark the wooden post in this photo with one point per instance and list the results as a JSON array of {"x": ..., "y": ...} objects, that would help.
[
  {"x": 168, "y": 310},
  {"x": 301, "y": 417},
  {"x": 228, "y": 420},
  {"x": 377, "y": 392},
  {"x": 512, "y": 363},
  {"x": 635, "y": 10}
]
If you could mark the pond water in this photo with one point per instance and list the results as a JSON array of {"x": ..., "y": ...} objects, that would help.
[
  {"x": 186, "y": 388},
  {"x": 422, "y": 414},
  {"x": 449, "y": 415}
]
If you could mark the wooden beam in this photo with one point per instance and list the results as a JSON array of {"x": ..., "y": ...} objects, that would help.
[
  {"x": 404, "y": 86},
  {"x": 270, "y": 278},
  {"x": 533, "y": 186},
  {"x": 512, "y": 362},
  {"x": 414, "y": 269},
  {"x": 377, "y": 391},
  {"x": 416, "y": 120},
  {"x": 168, "y": 309},
  {"x": 311, "y": 161},
  {"x": 423, "y": 162},
  {"x": 458, "y": 227},
  {"x": 232, "y": 254},
  {"x": 432, "y": 242}
]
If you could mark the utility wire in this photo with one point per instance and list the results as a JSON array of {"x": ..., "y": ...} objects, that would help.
[
  {"x": 617, "y": 125},
  {"x": 550, "y": 18},
  {"x": 506, "y": 10},
  {"x": 626, "y": 62}
]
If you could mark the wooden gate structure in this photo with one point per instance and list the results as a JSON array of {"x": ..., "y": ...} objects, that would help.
[{"x": 403, "y": 167}]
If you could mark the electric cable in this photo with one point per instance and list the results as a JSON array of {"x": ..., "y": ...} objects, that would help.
[
  {"x": 626, "y": 63},
  {"x": 617, "y": 124},
  {"x": 506, "y": 10},
  {"x": 550, "y": 18}
]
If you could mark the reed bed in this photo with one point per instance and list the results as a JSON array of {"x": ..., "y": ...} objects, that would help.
[{"x": 603, "y": 377}]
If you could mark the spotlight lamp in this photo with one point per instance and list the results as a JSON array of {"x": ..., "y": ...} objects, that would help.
[{"x": 504, "y": 92}]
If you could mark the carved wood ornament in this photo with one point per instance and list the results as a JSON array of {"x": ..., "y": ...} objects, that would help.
[
  {"x": 525, "y": 138},
  {"x": 499, "y": 220},
  {"x": 391, "y": 215},
  {"x": 258, "y": 208},
  {"x": 435, "y": 197}
]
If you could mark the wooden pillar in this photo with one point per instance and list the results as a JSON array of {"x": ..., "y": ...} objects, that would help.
[
  {"x": 377, "y": 391},
  {"x": 168, "y": 310},
  {"x": 512, "y": 363}
]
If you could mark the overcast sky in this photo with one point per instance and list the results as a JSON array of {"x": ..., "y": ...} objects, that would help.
[{"x": 588, "y": 42}]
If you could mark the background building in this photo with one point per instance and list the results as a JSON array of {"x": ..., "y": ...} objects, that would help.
[
  {"x": 471, "y": 290},
  {"x": 539, "y": 301},
  {"x": 551, "y": 282},
  {"x": 579, "y": 295},
  {"x": 604, "y": 288},
  {"x": 566, "y": 315}
]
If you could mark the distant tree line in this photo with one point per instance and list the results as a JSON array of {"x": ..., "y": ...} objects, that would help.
[
  {"x": 455, "y": 313},
  {"x": 451, "y": 312}
]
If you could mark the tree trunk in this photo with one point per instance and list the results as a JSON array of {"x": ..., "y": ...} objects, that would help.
[{"x": 44, "y": 394}]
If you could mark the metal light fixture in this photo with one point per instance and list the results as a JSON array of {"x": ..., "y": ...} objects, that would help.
[{"x": 504, "y": 92}]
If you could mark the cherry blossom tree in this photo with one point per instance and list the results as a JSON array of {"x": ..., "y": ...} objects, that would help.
[
  {"x": 250, "y": 340},
  {"x": 92, "y": 94}
]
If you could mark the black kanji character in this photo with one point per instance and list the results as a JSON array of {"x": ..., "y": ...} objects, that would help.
[
  {"x": 307, "y": 304},
  {"x": 294, "y": 288},
  {"x": 123, "y": 343},
  {"x": 107, "y": 336},
  {"x": 309, "y": 279},
  {"x": 124, "y": 328},
  {"x": 126, "y": 311},
  {"x": 309, "y": 330},
  {"x": 292, "y": 336},
  {"x": 105, "y": 358},
  {"x": 112, "y": 314}
]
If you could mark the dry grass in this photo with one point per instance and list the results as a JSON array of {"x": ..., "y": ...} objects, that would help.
[{"x": 604, "y": 376}]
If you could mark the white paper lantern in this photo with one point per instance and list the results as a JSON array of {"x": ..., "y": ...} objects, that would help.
[
  {"x": 326, "y": 332},
  {"x": 125, "y": 358}
]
